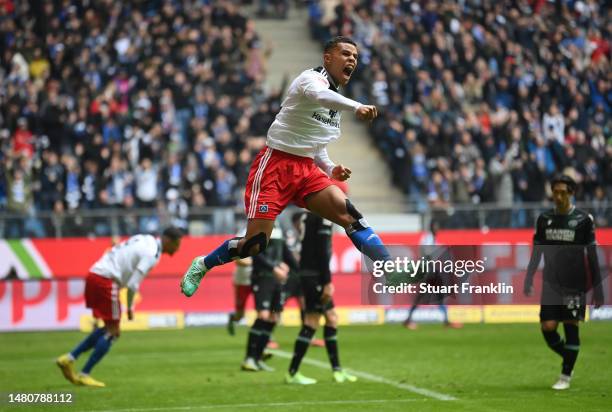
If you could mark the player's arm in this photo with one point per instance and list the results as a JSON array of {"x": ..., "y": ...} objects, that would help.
[
  {"x": 263, "y": 262},
  {"x": 598, "y": 295},
  {"x": 317, "y": 89},
  {"x": 534, "y": 261},
  {"x": 144, "y": 266},
  {"x": 338, "y": 172},
  {"x": 132, "y": 288},
  {"x": 280, "y": 271},
  {"x": 289, "y": 258}
]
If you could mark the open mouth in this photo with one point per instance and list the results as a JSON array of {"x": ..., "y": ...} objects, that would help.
[{"x": 348, "y": 70}]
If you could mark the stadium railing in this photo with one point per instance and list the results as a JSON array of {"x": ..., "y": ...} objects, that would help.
[{"x": 211, "y": 220}]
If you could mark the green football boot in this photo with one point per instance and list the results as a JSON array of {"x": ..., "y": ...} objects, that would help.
[
  {"x": 299, "y": 379},
  {"x": 192, "y": 278},
  {"x": 341, "y": 376}
]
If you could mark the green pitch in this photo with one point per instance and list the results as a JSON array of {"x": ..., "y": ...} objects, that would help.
[{"x": 482, "y": 367}]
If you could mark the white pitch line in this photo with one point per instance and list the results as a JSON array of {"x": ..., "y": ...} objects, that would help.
[
  {"x": 374, "y": 378},
  {"x": 252, "y": 405}
]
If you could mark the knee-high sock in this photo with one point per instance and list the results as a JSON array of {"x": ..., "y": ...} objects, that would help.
[
  {"x": 368, "y": 243},
  {"x": 264, "y": 337},
  {"x": 87, "y": 343},
  {"x": 253, "y": 340},
  {"x": 331, "y": 344},
  {"x": 225, "y": 253},
  {"x": 302, "y": 342},
  {"x": 571, "y": 348},
  {"x": 554, "y": 341},
  {"x": 102, "y": 347}
]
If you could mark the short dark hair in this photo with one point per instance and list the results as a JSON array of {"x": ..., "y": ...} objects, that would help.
[
  {"x": 172, "y": 233},
  {"x": 337, "y": 40},
  {"x": 567, "y": 180}
]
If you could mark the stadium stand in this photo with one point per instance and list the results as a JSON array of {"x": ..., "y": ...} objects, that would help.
[
  {"x": 113, "y": 107},
  {"x": 127, "y": 104},
  {"x": 484, "y": 101}
]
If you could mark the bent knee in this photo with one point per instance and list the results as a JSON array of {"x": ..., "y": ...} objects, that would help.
[
  {"x": 312, "y": 320},
  {"x": 549, "y": 326},
  {"x": 331, "y": 319},
  {"x": 253, "y": 245}
]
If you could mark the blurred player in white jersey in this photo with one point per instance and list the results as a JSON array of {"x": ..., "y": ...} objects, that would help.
[
  {"x": 294, "y": 167},
  {"x": 124, "y": 265}
]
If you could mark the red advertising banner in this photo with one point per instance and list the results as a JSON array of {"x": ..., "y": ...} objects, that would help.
[
  {"x": 57, "y": 303},
  {"x": 67, "y": 258}
]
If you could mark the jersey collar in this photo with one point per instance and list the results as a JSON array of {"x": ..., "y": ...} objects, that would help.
[
  {"x": 569, "y": 212},
  {"x": 332, "y": 84}
]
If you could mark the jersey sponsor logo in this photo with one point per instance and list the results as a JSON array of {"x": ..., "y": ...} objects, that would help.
[
  {"x": 263, "y": 208},
  {"x": 329, "y": 122},
  {"x": 564, "y": 235}
]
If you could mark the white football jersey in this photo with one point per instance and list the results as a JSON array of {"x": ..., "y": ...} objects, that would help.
[
  {"x": 140, "y": 252},
  {"x": 303, "y": 126}
]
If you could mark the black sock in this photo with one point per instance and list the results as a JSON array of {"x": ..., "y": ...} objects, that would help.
[
  {"x": 331, "y": 344},
  {"x": 302, "y": 314},
  {"x": 253, "y": 340},
  {"x": 264, "y": 337},
  {"x": 301, "y": 346},
  {"x": 572, "y": 346},
  {"x": 409, "y": 318},
  {"x": 554, "y": 341}
]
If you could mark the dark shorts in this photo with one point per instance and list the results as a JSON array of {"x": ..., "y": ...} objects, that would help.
[
  {"x": 573, "y": 308},
  {"x": 269, "y": 294},
  {"x": 312, "y": 290},
  {"x": 293, "y": 287}
]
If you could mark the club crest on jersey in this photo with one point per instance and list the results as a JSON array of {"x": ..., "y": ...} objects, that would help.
[
  {"x": 549, "y": 222},
  {"x": 572, "y": 223},
  {"x": 263, "y": 208}
]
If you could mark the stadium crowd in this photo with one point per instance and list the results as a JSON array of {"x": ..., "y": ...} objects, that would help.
[
  {"x": 107, "y": 104},
  {"x": 484, "y": 101},
  {"x": 160, "y": 104}
]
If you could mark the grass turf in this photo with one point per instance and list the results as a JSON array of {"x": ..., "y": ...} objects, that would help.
[{"x": 485, "y": 367}]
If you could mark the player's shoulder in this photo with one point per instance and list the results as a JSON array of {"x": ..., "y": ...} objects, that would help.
[
  {"x": 315, "y": 74},
  {"x": 582, "y": 216},
  {"x": 146, "y": 243},
  {"x": 546, "y": 215}
]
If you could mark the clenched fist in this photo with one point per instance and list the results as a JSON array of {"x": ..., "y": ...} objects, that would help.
[{"x": 366, "y": 112}]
